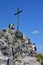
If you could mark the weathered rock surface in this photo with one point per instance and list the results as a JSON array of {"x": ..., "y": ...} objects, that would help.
[
  {"x": 27, "y": 61},
  {"x": 16, "y": 46}
]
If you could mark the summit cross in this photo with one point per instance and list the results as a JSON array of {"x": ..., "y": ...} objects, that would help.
[{"x": 17, "y": 13}]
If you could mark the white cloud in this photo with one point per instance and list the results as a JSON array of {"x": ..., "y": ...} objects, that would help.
[{"x": 35, "y": 32}]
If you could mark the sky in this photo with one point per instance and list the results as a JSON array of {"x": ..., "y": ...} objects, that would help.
[{"x": 30, "y": 20}]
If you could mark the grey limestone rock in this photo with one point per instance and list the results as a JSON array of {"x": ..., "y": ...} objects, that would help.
[{"x": 14, "y": 44}]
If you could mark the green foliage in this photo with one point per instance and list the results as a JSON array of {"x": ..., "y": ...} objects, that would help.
[
  {"x": 40, "y": 57},
  {"x": 15, "y": 56},
  {"x": 42, "y": 62},
  {"x": 2, "y": 35}
]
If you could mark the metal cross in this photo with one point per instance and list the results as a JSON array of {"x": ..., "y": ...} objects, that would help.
[{"x": 17, "y": 13}]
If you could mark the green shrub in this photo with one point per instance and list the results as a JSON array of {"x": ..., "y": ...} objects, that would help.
[
  {"x": 42, "y": 62},
  {"x": 40, "y": 57}
]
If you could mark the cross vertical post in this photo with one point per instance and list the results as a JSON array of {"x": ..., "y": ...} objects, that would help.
[{"x": 17, "y": 13}]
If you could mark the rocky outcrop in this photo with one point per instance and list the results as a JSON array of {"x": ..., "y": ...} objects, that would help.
[{"x": 16, "y": 46}]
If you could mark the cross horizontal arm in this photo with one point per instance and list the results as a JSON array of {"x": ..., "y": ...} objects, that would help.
[{"x": 18, "y": 12}]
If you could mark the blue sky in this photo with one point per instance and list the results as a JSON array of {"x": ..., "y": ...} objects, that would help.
[{"x": 31, "y": 19}]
